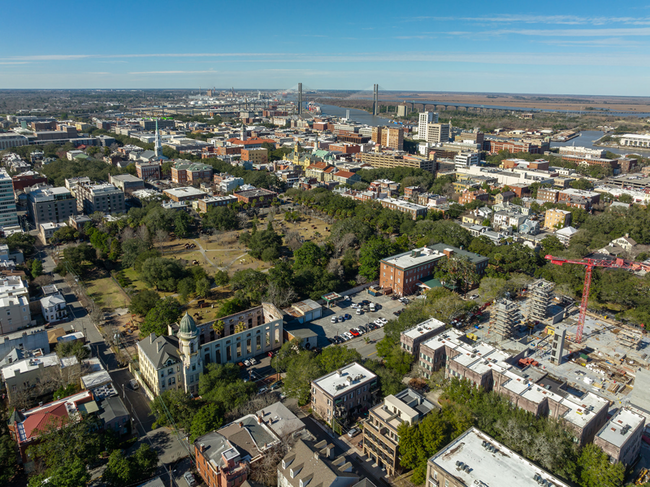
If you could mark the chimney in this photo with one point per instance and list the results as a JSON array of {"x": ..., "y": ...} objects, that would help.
[
  {"x": 259, "y": 419},
  {"x": 329, "y": 451},
  {"x": 241, "y": 424},
  {"x": 448, "y": 252}
]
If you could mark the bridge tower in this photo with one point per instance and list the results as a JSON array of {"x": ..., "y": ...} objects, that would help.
[{"x": 375, "y": 100}]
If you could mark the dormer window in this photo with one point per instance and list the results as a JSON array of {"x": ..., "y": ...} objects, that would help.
[{"x": 295, "y": 471}]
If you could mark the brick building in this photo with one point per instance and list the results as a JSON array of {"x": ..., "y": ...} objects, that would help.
[
  {"x": 27, "y": 179},
  {"x": 257, "y": 155},
  {"x": 412, "y": 209},
  {"x": 621, "y": 438},
  {"x": 184, "y": 194},
  {"x": 548, "y": 195},
  {"x": 204, "y": 204},
  {"x": 184, "y": 172},
  {"x": 258, "y": 197},
  {"x": 516, "y": 146},
  {"x": 148, "y": 170},
  {"x": 579, "y": 198},
  {"x": 341, "y": 396}
]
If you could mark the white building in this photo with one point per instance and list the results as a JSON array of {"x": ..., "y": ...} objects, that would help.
[
  {"x": 466, "y": 159},
  {"x": 423, "y": 124},
  {"x": 8, "y": 213},
  {"x": 635, "y": 140},
  {"x": 582, "y": 151},
  {"x": 54, "y": 308},
  {"x": 7, "y": 141}
]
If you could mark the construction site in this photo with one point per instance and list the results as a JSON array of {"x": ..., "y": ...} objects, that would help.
[{"x": 606, "y": 358}]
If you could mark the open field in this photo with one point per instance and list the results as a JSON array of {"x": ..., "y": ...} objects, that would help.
[
  {"x": 305, "y": 227},
  {"x": 106, "y": 294}
]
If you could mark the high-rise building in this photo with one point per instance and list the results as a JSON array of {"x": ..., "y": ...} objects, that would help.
[
  {"x": 438, "y": 132},
  {"x": 8, "y": 213},
  {"x": 423, "y": 124},
  {"x": 51, "y": 205},
  {"x": 392, "y": 137}
]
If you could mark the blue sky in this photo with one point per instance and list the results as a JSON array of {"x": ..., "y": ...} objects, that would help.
[{"x": 569, "y": 47}]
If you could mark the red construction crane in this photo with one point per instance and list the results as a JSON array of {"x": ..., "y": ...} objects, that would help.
[{"x": 590, "y": 264}]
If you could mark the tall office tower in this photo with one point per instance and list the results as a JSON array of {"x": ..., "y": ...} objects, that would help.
[
  {"x": 438, "y": 132},
  {"x": 423, "y": 124},
  {"x": 299, "y": 99},
  {"x": 8, "y": 213}
]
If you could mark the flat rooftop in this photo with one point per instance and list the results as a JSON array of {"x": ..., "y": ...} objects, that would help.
[
  {"x": 188, "y": 191},
  {"x": 471, "y": 458},
  {"x": 414, "y": 258},
  {"x": 424, "y": 327},
  {"x": 346, "y": 378},
  {"x": 583, "y": 410},
  {"x": 619, "y": 429}
]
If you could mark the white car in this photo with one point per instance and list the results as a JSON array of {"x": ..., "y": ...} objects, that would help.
[
  {"x": 349, "y": 335},
  {"x": 361, "y": 332},
  {"x": 247, "y": 363},
  {"x": 354, "y": 306},
  {"x": 253, "y": 361},
  {"x": 359, "y": 312},
  {"x": 334, "y": 319}
]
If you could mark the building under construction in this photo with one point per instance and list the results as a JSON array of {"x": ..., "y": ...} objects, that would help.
[
  {"x": 540, "y": 297},
  {"x": 505, "y": 317},
  {"x": 629, "y": 338}
]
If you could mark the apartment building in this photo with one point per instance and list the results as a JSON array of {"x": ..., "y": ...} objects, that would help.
[
  {"x": 8, "y": 212},
  {"x": 466, "y": 159},
  {"x": 99, "y": 197},
  {"x": 380, "y": 436},
  {"x": 212, "y": 201},
  {"x": 258, "y": 155},
  {"x": 14, "y": 301},
  {"x": 411, "y": 339},
  {"x": 229, "y": 184},
  {"x": 388, "y": 137},
  {"x": 184, "y": 194},
  {"x": 412, "y": 209},
  {"x": 341, "y": 396},
  {"x": 554, "y": 219},
  {"x": 319, "y": 464},
  {"x": 548, "y": 195},
  {"x": 184, "y": 172},
  {"x": 27, "y": 179},
  {"x": 403, "y": 272},
  {"x": 621, "y": 436},
  {"x": 160, "y": 363},
  {"x": 578, "y": 198},
  {"x": 51, "y": 205},
  {"x": 398, "y": 159},
  {"x": 257, "y": 197},
  {"x": 516, "y": 146},
  {"x": 477, "y": 459}
]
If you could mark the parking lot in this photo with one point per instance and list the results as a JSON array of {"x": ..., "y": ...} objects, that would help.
[{"x": 325, "y": 329}]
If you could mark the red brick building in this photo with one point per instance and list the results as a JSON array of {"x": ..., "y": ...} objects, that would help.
[
  {"x": 258, "y": 197},
  {"x": 516, "y": 146},
  {"x": 190, "y": 172},
  {"x": 27, "y": 179},
  {"x": 148, "y": 170},
  {"x": 345, "y": 148},
  {"x": 469, "y": 196}
]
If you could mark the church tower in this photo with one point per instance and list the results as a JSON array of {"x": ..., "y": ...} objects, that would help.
[
  {"x": 158, "y": 143},
  {"x": 188, "y": 347},
  {"x": 243, "y": 131}
]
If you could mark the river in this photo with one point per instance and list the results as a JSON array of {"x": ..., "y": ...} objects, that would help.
[
  {"x": 587, "y": 139},
  {"x": 360, "y": 116}
]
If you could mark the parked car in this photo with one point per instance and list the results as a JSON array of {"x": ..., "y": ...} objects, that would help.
[
  {"x": 334, "y": 319},
  {"x": 247, "y": 363},
  {"x": 134, "y": 384},
  {"x": 262, "y": 391},
  {"x": 253, "y": 361},
  {"x": 354, "y": 332},
  {"x": 342, "y": 318},
  {"x": 349, "y": 335},
  {"x": 189, "y": 478},
  {"x": 359, "y": 312},
  {"x": 347, "y": 316},
  {"x": 353, "y": 432}
]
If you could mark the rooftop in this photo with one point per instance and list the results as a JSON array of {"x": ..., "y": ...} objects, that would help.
[
  {"x": 403, "y": 204},
  {"x": 424, "y": 327},
  {"x": 414, "y": 258},
  {"x": 188, "y": 191},
  {"x": 476, "y": 459},
  {"x": 280, "y": 419},
  {"x": 582, "y": 410},
  {"x": 619, "y": 429},
  {"x": 342, "y": 380},
  {"x": 407, "y": 406},
  {"x": 471, "y": 256},
  {"x": 50, "y": 194}
]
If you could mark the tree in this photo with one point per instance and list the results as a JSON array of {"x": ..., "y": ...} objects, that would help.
[
  {"x": 221, "y": 278},
  {"x": 209, "y": 418},
  {"x": 72, "y": 348},
  {"x": 180, "y": 405},
  {"x": 7, "y": 457},
  {"x": 309, "y": 255},
  {"x": 371, "y": 254},
  {"x": 458, "y": 272},
  {"x": 122, "y": 471},
  {"x": 186, "y": 287},
  {"x": 72, "y": 473},
  {"x": 161, "y": 273},
  {"x": 21, "y": 241},
  {"x": 131, "y": 249},
  {"x": 304, "y": 368},
  {"x": 597, "y": 471},
  {"x": 166, "y": 312},
  {"x": 333, "y": 358},
  {"x": 203, "y": 287},
  {"x": 582, "y": 184},
  {"x": 143, "y": 302},
  {"x": 551, "y": 245},
  {"x": 37, "y": 268}
]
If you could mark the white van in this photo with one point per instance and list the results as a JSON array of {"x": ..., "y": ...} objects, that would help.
[{"x": 372, "y": 306}]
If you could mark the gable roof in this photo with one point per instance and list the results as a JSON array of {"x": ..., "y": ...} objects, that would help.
[
  {"x": 160, "y": 349},
  {"x": 39, "y": 422}
]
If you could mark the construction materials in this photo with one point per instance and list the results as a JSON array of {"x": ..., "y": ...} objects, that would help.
[{"x": 629, "y": 338}]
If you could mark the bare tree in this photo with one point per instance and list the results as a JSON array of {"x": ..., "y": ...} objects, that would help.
[
  {"x": 280, "y": 297},
  {"x": 265, "y": 470},
  {"x": 345, "y": 242},
  {"x": 143, "y": 234},
  {"x": 252, "y": 406},
  {"x": 43, "y": 280},
  {"x": 161, "y": 237},
  {"x": 292, "y": 239},
  {"x": 335, "y": 268},
  {"x": 360, "y": 279},
  {"x": 127, "y": 234}
]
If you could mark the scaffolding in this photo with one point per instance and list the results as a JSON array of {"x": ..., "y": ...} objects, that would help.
[
  {"x": 540, "y": 296},
  {"x": 629, "y": 338},
  {"x": 505, "y": 316}
]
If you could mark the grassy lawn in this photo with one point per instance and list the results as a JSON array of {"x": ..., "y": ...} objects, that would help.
[
  {"x": 133, "y": 277},
  {"x": 106, "y": 294},
  {"x": 217, "y": 296}
]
